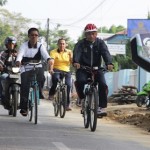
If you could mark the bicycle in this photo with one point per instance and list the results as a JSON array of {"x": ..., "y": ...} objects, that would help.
[
  {"x": 33, "y": 98},
  {"x": 60, "y": 98},
  {"x": 90, "y": 104}
]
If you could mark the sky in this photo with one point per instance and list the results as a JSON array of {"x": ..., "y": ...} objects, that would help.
[{"x": 73, "y": 15}]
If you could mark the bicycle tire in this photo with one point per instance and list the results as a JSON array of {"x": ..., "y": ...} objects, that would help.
[
  {"x": 15, "y": 96},
  {"x": 35, "y": 105},
  {"x": 63, "y": 100},
  {"x": 86, "y": 112},
  {"x": 140, "y": 100},
  {"x": 93, "y": 109},
  {"x": 30, "y": 105},
  {"x": 56, "y": 103}
]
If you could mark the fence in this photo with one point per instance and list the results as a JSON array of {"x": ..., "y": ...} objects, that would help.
[{"x": 116, "y": 80}]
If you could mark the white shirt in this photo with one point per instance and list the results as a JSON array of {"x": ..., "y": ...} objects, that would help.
[{"x": 25, "y": 51}]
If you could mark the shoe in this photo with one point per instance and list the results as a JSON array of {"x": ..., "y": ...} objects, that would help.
[
  {"x": 80, "y": 102},
  {"x": 101, "y": 112},
  {"x": 68, "y": 108},
  {"x": 23, "y": 112},
  {"x": 51, "y": 97}
]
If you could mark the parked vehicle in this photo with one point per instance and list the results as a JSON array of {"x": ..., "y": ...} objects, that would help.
[{"x": 143, "y": 97}]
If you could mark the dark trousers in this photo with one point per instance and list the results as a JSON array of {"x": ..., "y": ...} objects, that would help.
[
  {"x": 25, "y": 84},
  {"x": 4, "y": 87},
  {"x": 81, "y": 80},
  {"x": 55, "y": 78}
]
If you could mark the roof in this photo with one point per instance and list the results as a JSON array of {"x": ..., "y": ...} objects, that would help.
[{"x": 118, "y": 38}]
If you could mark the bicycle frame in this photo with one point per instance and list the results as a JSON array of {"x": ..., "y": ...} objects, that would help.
[
  {"x": 33, "y": 98},
  {"x": 60, "y": 97},
  {"x": 91, "y": 99}
]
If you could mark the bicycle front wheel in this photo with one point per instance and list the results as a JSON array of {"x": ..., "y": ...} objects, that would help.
[
  {"x": 86, "y": 112},
  {"x": 30, "y": 105},
  {"x": 56, "y": 103},
  {"x": 93, "y": 109},
  {"x": 63, "y": 99},
  {"x": 35, "y": 104}
]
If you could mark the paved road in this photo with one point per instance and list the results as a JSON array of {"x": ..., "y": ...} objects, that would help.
[{"x": 54, "y": 133}]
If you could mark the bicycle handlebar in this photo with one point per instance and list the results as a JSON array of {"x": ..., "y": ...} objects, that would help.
[{"x": 91, "y": 69}]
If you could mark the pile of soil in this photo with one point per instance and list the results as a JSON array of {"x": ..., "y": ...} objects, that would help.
[{"x": 130, "y": 114}]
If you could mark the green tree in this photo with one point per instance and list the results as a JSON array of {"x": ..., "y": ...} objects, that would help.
[
  {"x": 57, "y": 33},
  {"x": 13, "y": 24},
  {"x": 3, "y": 2}
]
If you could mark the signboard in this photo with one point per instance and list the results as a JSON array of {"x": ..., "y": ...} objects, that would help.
[
  {"x": 116, "y": 49},
  {"x": 136, "y": 26}
]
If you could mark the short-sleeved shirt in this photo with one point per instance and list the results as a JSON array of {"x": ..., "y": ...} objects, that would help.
[{"x": 61, "y": 59}]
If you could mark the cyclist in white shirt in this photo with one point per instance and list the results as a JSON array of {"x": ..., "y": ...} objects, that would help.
[{"x": 31, "y": 51}]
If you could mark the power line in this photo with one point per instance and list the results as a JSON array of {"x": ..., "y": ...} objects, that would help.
[{"x": 88, "y": 13}]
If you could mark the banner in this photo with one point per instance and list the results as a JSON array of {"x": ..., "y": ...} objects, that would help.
[{"x": 137, "y": 26}]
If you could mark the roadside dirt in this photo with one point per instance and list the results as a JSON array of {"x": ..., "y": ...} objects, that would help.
[{"x": 130, "y": 114}]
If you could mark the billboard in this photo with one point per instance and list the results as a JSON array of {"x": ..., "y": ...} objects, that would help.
[
  {"x": 115, "y": 49},
  {"x": 135, "y": 26}
]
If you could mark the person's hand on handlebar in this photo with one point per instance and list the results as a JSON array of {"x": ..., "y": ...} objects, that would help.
[
  {"x": 76, "y": 65},
  {"x": 110, "y": 67},
  {"x": 18, "y": 63}
]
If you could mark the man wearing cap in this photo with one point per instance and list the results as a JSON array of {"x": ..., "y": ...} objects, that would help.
[{"x": 89, "y": 52}]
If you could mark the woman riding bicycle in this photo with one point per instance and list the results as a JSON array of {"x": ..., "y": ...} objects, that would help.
[
  {"x": 62, "y": 61},
  {"x": 88, "y": 52}
]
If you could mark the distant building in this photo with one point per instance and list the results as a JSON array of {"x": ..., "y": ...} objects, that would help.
[{"x": 115, "y": 42}]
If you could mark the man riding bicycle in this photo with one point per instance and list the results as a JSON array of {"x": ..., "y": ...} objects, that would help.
[
  {"x": 7, "y": 60},
  {"x": 31, "y": 51},
  {"x": 62, "y": 61},
  {"x": 89, "y": 52}
]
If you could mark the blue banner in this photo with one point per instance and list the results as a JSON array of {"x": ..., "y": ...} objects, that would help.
[{"x": 136, "y": 26}]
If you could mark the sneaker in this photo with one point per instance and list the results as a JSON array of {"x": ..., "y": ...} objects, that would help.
[
  {"x": 68, "y": 108},
  {"x": 101, "y": 112},
  {"x": 23, "y": 112},
  {"x": 79, "y": 102}
]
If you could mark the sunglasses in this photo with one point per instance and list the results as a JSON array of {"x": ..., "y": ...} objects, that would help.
[{"x": 34, "y": 35}]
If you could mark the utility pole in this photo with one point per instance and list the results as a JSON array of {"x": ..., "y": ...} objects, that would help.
[{"x": 47, "y": 37}]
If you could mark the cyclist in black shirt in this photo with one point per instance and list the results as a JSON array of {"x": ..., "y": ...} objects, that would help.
[{"x": 88, "y": 52}]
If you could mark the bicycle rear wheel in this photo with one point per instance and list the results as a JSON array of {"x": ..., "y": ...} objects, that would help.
[
  {"x": 56, "y": 103},
  {"x": 63, "y": 99},
  {"x": 93, "y": 109},
  {"x": 86, "y": 112}
]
